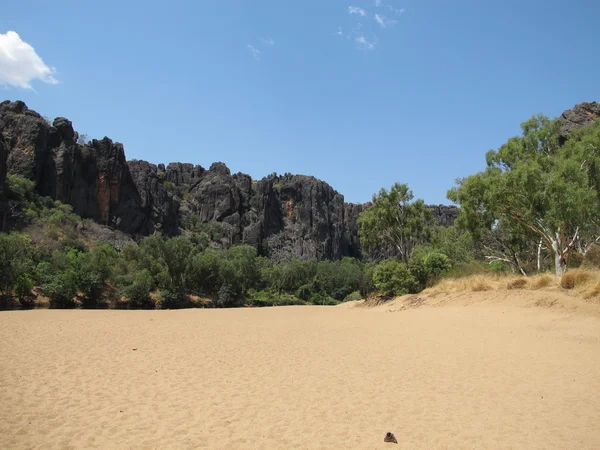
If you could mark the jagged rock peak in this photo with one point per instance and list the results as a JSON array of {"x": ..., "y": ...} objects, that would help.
[
  {"x": 578, "y": 117},
  {"x": 282, "y": 216}
]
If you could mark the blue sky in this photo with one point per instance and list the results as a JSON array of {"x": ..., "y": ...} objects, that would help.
[{"x": 414, "y": 91}]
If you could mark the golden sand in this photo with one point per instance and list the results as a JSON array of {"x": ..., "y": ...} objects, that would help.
[{"x": 461, "y": 371}]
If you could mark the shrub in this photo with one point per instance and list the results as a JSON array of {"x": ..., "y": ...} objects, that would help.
[
  {"x": 15, "y": 260},
  {"x": 499, "y": 267},
  {"x": 270, "y": 298},
  {"x": 574, "y": 278},
  {"x": 61, "y": 290},
  {"x": 366, "y": 279},
  {"x": 23, "y": 287},
  {"x": 352, "y": 297},
  {"x": 418, "y": 269},
  {"x": 138, "y": 291},
  {"x": 226, "y": 297},
  {"x": 393, "y": 278},
  {"x": 437, "y": 264},
  {"x": 323, "y": 300},
  {"x": 170, "y": 299},
  {"x": 479, "y": 284},
  {"x": 518, "y": 283},
  {"x": 338, "y": 278},
  {"x": 305, "y": 291},
  {"x": 542, "y": 281}
]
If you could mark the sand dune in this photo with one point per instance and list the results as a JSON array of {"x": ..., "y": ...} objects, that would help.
[{"x": 478, "y": 370}]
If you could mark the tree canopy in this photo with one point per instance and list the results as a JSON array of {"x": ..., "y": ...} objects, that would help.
[
  {"x": 394, "y": 223},
  {"x": 534, "y": 188}
]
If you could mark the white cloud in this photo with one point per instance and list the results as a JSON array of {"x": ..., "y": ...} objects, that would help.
[
  {"x": 339, "y": 32},
  {"x": 363, "y": 43},
  {"x": 20, "y": 64},
  {"x": 356, "y": 10},
  {"x": 377, "y": 2},
  {"x": 396, "y": 10},
  {"x": 270, "y": 42},
  {"x": 384, "y": 21},
  {"x": 255, "y": 51}
]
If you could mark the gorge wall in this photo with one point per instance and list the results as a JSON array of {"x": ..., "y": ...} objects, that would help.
[{"x": 280, "y": 215}]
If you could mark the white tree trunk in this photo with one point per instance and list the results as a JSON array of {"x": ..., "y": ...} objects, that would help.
[{"x": 559, "y": 260}]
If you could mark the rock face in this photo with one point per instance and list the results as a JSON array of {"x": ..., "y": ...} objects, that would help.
[
  {"x": 580, "y": 116},
  {"x": 445, "y": 215},
  {"x": 93, "y": 178},
  {"x": 282, "y": 216}
]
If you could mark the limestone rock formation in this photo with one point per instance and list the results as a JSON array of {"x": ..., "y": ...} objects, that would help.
[
  {"x": 444, "y": 214},
  {"x": 93, "y": 178},
  {"x": 282, "y": 216},
  {"x": 578, "y": 117}
]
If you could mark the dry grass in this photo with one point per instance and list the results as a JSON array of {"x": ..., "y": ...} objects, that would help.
[
  {"x": 583, "y": 283},
  {"x": 517, "y": 283},
  {"x": 479, "y": 284},
  {"x": 592, "y": 292},
  {"x": 542, "y": 281},
  {"x": 575, "y": 278}
]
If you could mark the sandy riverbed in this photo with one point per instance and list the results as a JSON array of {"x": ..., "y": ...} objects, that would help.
[{"x": 467, "y": 371}]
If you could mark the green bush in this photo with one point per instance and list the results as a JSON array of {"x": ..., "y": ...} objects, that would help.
[
  {"x": 352, "y": 297},
  {"x": 138, "y": 289},
  {"x": 393, "y": 278},
  {"x": 366, "y": 279},
  {"x": 323, "y": 300},
  {"x": 437, "y": 264},
  {"x": 305, "y": 291},
  {"x": 420, "y": 272},
  {"x": 338, "y": 278},
  {"x": 227, "y": 297},
  {"x": 15, "y": 260},
  {"x": 270, "y": 298},
  {"x": 23, "y": 287},
  {"x": 499, "y": 267},
  {"x": 61, "y": 290},
  {"x": 170, "y": 300}
]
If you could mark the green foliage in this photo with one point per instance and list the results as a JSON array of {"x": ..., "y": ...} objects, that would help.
[
  {"x": 437, "y": 264},
  {"x": 367, "y": 285},
  {"x": 305, "y": 291},
  {"x": 420, "y": 273},
  {"x": 322, "y": 299},
  {"x": 394, "y": 224},
  {"x": 272, "y": 298},
  {"x": 169, "y": 299},
  {"x": 62, "y": 288},
  {"x": 499, "y": 267},
  {"x": 23, "y": 286},
  {"x": 136, "y": 289},
  {"x": 338, "y": 278},
  {"x": 289, "y": 275},
  {"x": 15, "y": 260},
  {"x": 391, "y": 277},
  {"x": 171, "y": 189},
  {"x": 453, "y": 242},
  {"x": 353, "y": 296},
  {"x": 536, "y": 190},
  {"x": 203, "y": 272},
  {"x": 227, "y": 297}
]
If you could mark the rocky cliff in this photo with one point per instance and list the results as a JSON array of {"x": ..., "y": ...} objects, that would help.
[
  {"x": 578, "y": 117},
  {"x": 280, "y": 215}
]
